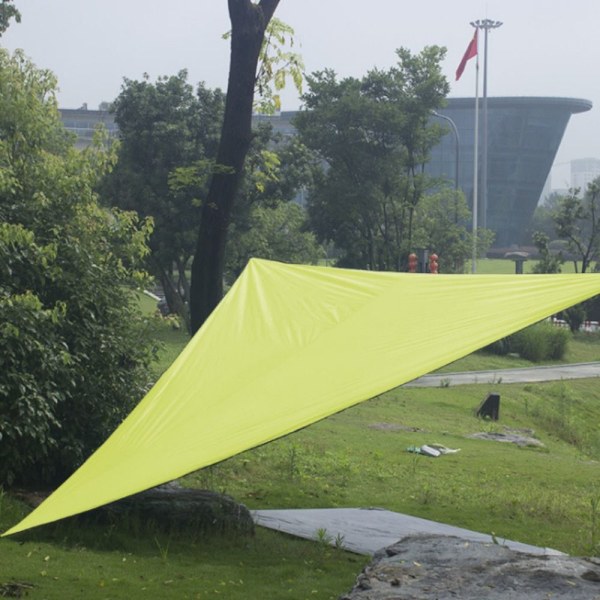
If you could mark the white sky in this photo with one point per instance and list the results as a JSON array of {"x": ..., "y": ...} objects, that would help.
[{"x": 544, "y": 48}]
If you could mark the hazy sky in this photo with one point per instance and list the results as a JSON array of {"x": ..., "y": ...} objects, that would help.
[{"x": 544, "y": 48}]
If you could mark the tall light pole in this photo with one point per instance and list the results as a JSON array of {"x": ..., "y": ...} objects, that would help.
[{"x": 486, "y": 25}]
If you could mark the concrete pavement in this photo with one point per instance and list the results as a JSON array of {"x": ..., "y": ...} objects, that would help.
[
  {"x": 524, "y": 375},
  {"x": 366, "y": 530}
]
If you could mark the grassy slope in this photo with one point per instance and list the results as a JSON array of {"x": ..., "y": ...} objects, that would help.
[
  {"x": 539, "y": 496},
  {"x": 104, "y": 564},
  {"x": 542, "y": 497}
]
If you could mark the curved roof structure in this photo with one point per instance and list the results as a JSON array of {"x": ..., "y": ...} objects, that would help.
[{"x": 524, "y": 134}]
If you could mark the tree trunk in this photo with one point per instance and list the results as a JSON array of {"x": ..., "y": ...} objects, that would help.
[
  {"x": 174, "y": 300},
  {"x": 248, "y": 24},
  {"x": 183, "y": 284}
]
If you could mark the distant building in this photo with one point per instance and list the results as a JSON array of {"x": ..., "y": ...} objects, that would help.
[
  {"x": 583, "y": 172},
  {"x": 524, "y": 134},
  {"x": 546, "y": 190},
  {"x": 83, "y": 123}
]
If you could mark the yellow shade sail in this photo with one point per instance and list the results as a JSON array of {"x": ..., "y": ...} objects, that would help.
[{"x": 290, "y": 345}]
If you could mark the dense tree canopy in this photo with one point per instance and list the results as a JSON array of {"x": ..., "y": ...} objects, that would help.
[
  {"x": 573, "y": 221},
  {"x": 267, "y": 222},
  {"x": 375, "y": 135},
  {"x": 73, "y": 353},
  {"x": 169, "y": 136},
  {"x": 577, "y": 221},
  {"x": 166, "y": 157},
  {"x": 8, "y": 12}
]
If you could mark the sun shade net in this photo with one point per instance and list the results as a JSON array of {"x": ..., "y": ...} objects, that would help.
[{"x": 290, "y": 345}]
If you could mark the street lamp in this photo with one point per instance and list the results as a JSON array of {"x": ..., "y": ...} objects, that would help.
[{"x": 456, "y": 145}]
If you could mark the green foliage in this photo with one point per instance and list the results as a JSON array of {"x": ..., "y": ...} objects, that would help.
[
  {"x": 575, "y": 316},
  {"x": 73, "y": 358},
  {"x": 542, "y": 220},
  {"x": 577, "y": 221},
  {"x": 165, "y": 161},
  {"x": 168, "y": 141},
  {"x": 34, "y": 363},
  {"x": 537, "y": 343},
  {"x": 500, "y": 347},
  {"x": 440, "y": 224},
  {"x": 375, "y": 134},
  {"x": 267, "y": 222},
  {"x": 540, "y": 342},
  {"x": 276, "y": 64},
  {"x": 548, "y": 262},
  {"x": 8, "y": 12},
  {"x": 276, "y": 232}
]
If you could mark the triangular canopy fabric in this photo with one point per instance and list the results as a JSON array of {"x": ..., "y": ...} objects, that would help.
[{"x": 290, "y": 345}]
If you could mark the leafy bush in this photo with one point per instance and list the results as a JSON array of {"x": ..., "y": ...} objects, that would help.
[
  {"x": 558, "y": 342},
  {"x": 74, "y": 357},
  {"x": 575, "y": 316},
  {"x": 500, "y": 347},
  {"x": 540, "y": 342}
]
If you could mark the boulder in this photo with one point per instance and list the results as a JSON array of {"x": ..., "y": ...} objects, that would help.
[
  {"x": 442, "y": 567},
  {"x": 172, "y": 507}
]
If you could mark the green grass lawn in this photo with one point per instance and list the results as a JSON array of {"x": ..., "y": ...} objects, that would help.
[
  {"x": 502, "y": 266},
  {"x": 103, "y": 564},
  {"x": 543, "y": 496},
  {"x": 547, "y": 496},
  {"x": 358, "y": 458}
]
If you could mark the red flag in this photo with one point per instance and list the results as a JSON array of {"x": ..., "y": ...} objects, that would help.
[{"x": 470, "y": 53}]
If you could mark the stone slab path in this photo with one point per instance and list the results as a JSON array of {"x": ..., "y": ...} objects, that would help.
[{"x": 367, "y": 530}]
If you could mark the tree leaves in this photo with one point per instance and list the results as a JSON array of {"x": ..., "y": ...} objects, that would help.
[
  {"x": 276, "y": 65},
  {"x": 375, "y": 135},
  {"x": 73, "y": 356},
  {"x": 577, "y": 221},
  {"x": 166, "y": 156}
]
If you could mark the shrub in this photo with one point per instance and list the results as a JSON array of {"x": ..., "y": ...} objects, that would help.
[
  {"x": 541, "y": 341},
  {"x": 575, "y": 316},
  {"x": 558, "y": 341},
  {"x": 500, "y": 347},
  {"x": 73, "y": 354}
]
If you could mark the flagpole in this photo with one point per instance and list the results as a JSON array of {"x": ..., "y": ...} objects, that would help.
[
  {"x": 486, "y": 25},
  {"x": 475, "y": 166}
]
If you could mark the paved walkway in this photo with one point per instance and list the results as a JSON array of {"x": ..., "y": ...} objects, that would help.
[
  {"x": 366, "y": 530},
  {"x": 525, "y": 375}
]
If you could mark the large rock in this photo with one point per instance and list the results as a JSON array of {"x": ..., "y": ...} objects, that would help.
[
  {"x": 441, "y": 568},
  {"x": 172, "y": 507},
  {"x": 165, "y": 508}
]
